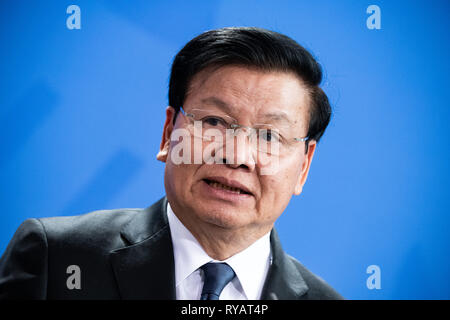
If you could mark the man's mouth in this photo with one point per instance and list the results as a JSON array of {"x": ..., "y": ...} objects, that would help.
[{"x": 222, "y": 186}]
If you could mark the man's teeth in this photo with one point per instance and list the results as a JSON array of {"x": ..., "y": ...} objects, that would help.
[{"x": 218, "y": 185}]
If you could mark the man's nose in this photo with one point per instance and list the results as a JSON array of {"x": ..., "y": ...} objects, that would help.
[{"x": 239, "y": 151}]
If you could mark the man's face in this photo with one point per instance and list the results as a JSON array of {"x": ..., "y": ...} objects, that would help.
[{"x": 251, "y": 97}]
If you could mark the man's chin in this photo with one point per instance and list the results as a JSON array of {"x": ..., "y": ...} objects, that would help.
[{"x": 227, "y": 219}]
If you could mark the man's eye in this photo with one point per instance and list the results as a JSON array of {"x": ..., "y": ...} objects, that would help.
[
  {"x": 213, "y": 121},
  {"x": 269, "y": 135}
]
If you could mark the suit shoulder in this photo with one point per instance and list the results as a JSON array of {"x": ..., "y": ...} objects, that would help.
[
  {"x": 101, "y": 226},
  {"x": 318, "y": 288}
]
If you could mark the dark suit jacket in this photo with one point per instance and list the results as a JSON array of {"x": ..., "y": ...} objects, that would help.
[{"x": 122, "y": 254}]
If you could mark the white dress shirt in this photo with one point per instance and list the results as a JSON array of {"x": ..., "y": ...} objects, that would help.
[{"x": 250, "y": 265}]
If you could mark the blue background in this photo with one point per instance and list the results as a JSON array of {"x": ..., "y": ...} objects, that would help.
[{"x": 81, "y": 115}]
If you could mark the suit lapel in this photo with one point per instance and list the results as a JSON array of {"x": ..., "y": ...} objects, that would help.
[
  {"x": 145, "y": 268},
  {"x": 284, "y": 281}
]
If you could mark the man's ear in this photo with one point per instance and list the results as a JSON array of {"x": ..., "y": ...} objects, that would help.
[
  {"x": 305, "y": 167},
  {"x": 167, "y": 131}
]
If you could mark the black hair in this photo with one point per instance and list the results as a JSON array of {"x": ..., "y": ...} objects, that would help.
[{"x": 254, "y": 48}]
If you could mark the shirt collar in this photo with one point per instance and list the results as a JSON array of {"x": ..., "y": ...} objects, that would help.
[{"x": 250, "y": 265}]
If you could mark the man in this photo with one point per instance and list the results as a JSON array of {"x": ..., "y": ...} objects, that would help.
[{"x": 244, "y": 118}]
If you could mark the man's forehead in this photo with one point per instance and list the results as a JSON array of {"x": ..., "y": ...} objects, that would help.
[{"x": 273, "y": 95}]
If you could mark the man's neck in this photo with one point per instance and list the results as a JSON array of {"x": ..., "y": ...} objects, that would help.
[{"x": 219, "y": 242}]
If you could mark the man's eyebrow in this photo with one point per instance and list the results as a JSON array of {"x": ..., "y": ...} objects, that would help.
[
  {"x": 277, "y": 116},
  {"x": 218, "y": 102}
]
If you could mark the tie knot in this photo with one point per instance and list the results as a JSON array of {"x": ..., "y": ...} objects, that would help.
[{"x": 217, "y": 276}]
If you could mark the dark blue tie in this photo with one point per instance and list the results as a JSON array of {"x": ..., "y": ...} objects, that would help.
[{"x": 217, "y": 276}]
